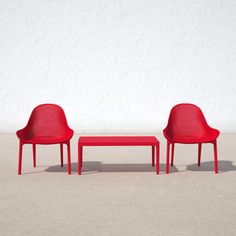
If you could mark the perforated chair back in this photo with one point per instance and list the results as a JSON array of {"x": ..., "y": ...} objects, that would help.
[
  {"x": 47, "y": 120},
  {"x": 186, "y": 121}
]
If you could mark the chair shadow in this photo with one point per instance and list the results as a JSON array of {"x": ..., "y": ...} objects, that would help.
[
  {"x": 223, "y": 166},
  {"x": 90, "y": 167}
]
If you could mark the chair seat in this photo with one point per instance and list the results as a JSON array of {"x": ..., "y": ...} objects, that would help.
[
  {"x": 46, "y": 139},
  {"x": 206, "y": 138}
]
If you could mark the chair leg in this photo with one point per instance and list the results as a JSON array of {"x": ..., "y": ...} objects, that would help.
[
  {"x": 153, "y": 155},
  {"x": 61, "y": 152},
  {"x": 68, "y": 156},
  {"x": 215, "y": 157},
  {"x": 34, "y": 154},
  {"x": 172, "y": 153},
  {"x": 167, "y": 157},
  {"x": 199, "y": 153},
  {"x": 20, "y": 158}
]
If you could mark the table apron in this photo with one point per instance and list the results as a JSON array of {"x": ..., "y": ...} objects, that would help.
[{"x": 117, "y": 145}]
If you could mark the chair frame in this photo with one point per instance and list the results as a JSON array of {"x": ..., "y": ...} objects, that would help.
[
  {"x": 66, "y": 141},
  {"x": 172, "y": 142}
]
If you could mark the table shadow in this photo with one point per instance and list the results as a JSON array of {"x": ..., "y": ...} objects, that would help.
[{"x": 90, "y": 167}]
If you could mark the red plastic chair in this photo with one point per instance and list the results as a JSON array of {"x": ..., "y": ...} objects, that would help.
[
  {"x": 188, "y": 125},
  {"x": 47, "y": 125}
]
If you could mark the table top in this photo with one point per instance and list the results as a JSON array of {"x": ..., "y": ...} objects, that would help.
[{"x": 118, "y": 140}]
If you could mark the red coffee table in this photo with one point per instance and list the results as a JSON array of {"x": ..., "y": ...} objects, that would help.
[{"x": 119, "y": 141}]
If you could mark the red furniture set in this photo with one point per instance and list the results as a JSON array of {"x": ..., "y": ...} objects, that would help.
[{"x": 47, "y": 125}]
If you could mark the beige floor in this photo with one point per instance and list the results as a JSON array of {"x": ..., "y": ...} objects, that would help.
[{"x": 118, "y": 193}]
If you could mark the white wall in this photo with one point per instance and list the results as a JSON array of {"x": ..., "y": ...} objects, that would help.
[{"x": 117, "y": 65}]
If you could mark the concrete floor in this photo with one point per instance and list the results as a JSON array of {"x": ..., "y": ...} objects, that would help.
[{"x": 118, "y": 193}]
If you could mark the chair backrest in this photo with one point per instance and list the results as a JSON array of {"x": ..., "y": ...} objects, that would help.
[
  {"x": 186, "y": 120},
  {"x": 47, "y": 120}
]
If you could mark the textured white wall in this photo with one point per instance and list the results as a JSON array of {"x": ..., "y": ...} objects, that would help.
[{"x": 117, "y": 65}]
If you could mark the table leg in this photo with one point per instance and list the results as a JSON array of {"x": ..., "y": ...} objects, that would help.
[
  {"x": 80, "y": 153},
  {"x": 153, "y": 155},
  {"x": 157, "y": 158},
  {"x": 81, "y": 161}
]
